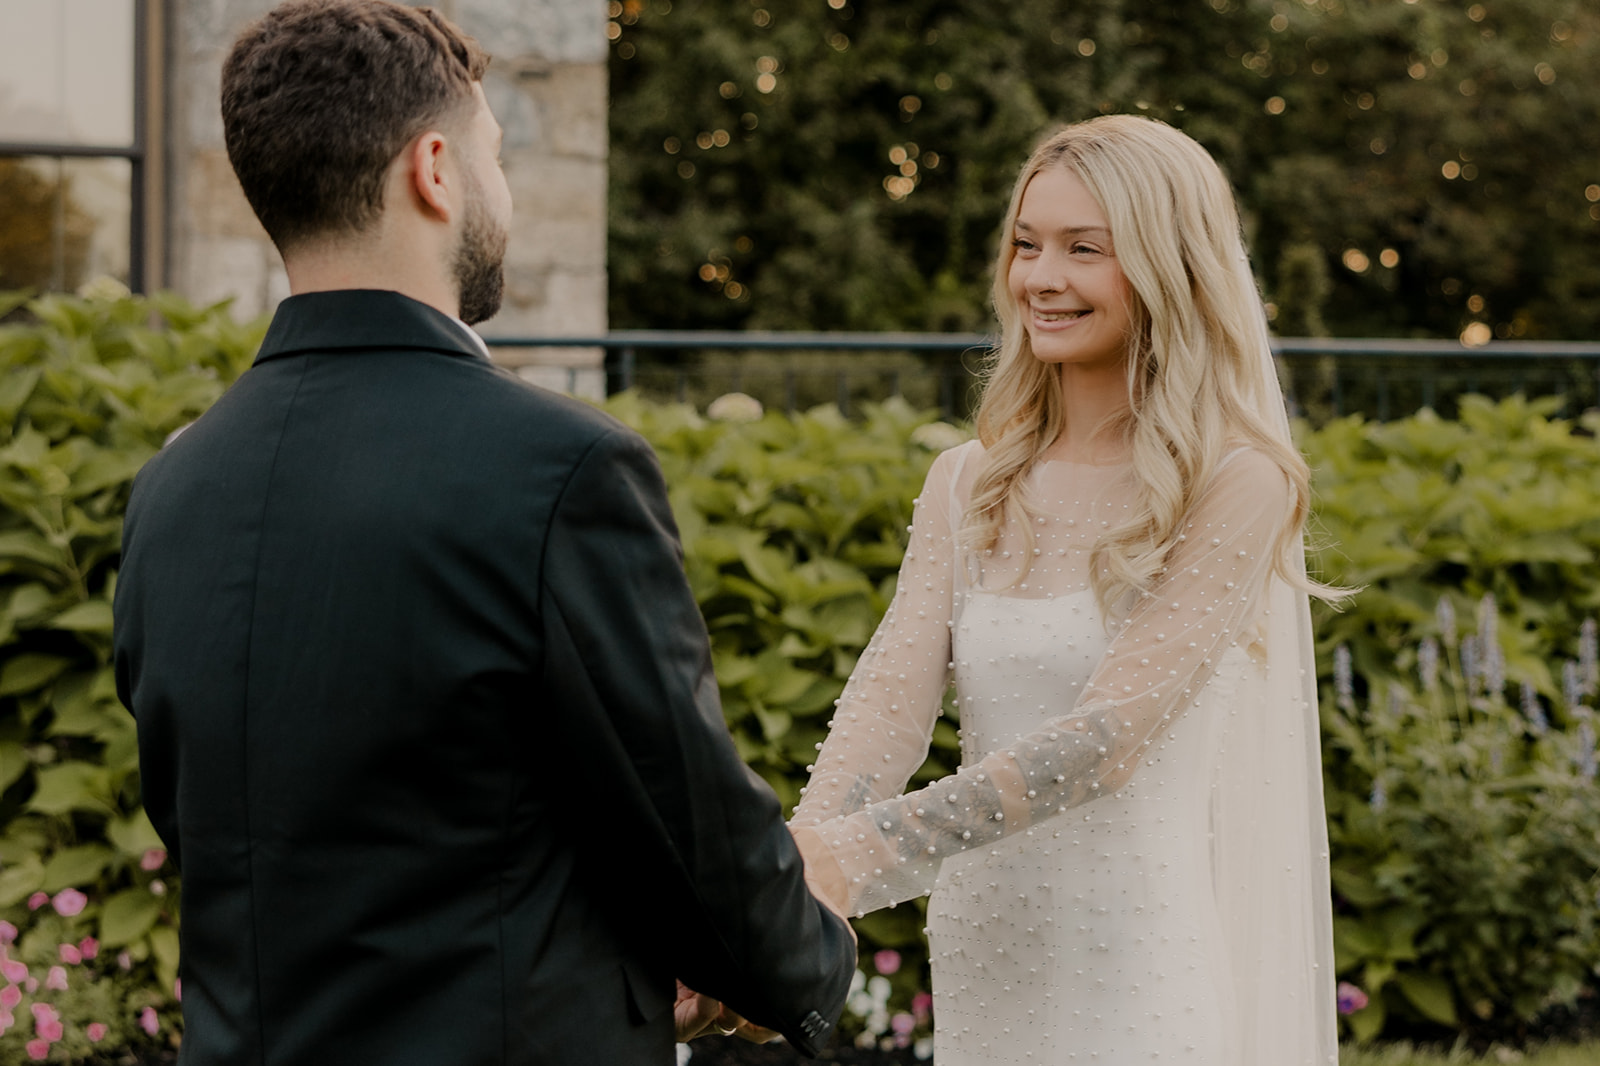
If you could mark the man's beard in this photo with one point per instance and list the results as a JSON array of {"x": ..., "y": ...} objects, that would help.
[{"x": 478, "y": 266}]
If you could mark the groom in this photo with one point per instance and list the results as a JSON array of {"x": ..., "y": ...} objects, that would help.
[{"x": 426, "y": 711}]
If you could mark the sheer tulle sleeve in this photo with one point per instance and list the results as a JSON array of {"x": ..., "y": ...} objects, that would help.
[
  {"x": 1161, "y": 654},
  {"x": 881, "y": 729}
]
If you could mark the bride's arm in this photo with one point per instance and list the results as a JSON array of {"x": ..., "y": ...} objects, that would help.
[
  {"x": 881, "y": 729},
  {"x": 1161, "y": 656}
]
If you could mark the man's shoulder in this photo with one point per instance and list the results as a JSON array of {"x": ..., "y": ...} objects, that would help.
[{"x": 532, "y": 409}]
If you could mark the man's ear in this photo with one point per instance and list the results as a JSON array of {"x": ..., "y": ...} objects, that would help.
[{"x": 430, "y": 181}]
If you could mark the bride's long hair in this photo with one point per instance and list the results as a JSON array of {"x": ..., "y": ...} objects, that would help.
[{"x": 1200, "y": 375}]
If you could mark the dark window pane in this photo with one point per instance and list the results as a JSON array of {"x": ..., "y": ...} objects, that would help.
[
  {"x": 66, "y": 71},
  {"x": 63, "y": 221}
]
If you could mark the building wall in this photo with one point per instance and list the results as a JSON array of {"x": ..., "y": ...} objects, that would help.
[{"x": 547, "y": 87}]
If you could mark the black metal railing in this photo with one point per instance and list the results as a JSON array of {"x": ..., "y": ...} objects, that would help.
[{"x": 1323, "y": 377}]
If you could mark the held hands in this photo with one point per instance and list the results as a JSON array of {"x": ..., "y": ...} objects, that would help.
[
  {"x": 823, "y": 876},
  {"x": 695, "y": 1015}
]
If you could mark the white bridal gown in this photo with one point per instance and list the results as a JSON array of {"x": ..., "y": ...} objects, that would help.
[{"x": 1180, "y": 917}]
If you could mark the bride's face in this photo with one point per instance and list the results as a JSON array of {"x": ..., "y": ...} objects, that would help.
[{"x": 1070, "y": 291}]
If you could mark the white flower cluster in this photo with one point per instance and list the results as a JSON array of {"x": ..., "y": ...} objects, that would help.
[
  {"x": 735, "y": 407},
  {"x": 938, "y": 436},
  {"x": 104, "y": 289}
]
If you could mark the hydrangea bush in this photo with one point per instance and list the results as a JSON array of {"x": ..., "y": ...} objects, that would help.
[
  {"x": 90, "y": 387},
  {"x": 1460, "y": 745}
]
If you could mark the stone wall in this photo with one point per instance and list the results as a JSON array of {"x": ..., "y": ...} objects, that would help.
[{"x": 547, "y": 86}]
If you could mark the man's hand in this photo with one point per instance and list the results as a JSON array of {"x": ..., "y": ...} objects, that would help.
[
  {"x": 694, "y": 1014},
  {"x": 728, "y": 1024},
  {"x": 823, "y": 876}
]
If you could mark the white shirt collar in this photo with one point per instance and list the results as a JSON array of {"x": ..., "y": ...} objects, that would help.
[{"x": 477, "y": 340}]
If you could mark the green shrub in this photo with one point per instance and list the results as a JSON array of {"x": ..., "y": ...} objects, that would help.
[
  {"x": 1505, "y": 501},
  {"x": 793, "y": 530},
  {"x": 89, "y": 390},
  {"x": 1465, "y": 836},
  {"x": 1465, "y": 895}
]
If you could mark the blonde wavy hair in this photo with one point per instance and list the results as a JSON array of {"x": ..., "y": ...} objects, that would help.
[{"x": 1200, "y": 372}]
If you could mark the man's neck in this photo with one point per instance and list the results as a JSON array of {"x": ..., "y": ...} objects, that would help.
[{"x": 409, "y": 272}]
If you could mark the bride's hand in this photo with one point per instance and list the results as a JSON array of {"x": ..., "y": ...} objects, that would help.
[
  {"x": 823, "y": 876},
  {"x": 693, "y": 1014}
]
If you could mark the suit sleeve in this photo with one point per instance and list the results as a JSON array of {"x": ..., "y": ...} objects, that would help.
[{"x": 691, "y": 841}]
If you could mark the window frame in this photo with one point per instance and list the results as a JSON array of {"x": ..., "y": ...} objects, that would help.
[{"x": 143, "y": 252}]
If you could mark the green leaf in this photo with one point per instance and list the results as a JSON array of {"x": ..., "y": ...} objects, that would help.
[
  {"x": 893, "y": 927},
  {"x": 10, "y": 301},
  {"x": 72, "y": 786},
  {"x": 21, "y": 879},
  {"x": 1367, "y": 1022},
  {"x": 30, "y": 671},
  {"x": 1355, "y": 941},
  {"x": 1357, "y": 888},
  {"x": 164, "y": 946},
  {"x": 774, "y": 724},
  {"x": 90, "y": 616},
  {"x": 77, "y": 866},
  {"x": 29, "y": 600},
  {"x": 27, "y": 545},
  {"x": 133, "y": 834},
  {"x": 1429, "y": 994},
  {"x": 127, "y": 916},
  {"x": 14, "y": 762}
]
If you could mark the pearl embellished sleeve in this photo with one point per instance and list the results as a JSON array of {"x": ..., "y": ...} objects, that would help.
[
  {"x": 1160, "y": 657},
  {"x": 884, "y": 721}
]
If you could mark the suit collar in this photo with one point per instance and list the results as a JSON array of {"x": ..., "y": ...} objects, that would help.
[{"x": 352, "y": 319}]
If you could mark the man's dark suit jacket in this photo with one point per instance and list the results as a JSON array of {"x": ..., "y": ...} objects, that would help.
[{"x": 427, "y": 720}]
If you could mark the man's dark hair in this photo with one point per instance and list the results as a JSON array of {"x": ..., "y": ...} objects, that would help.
[{"x": 319, "y": 96}]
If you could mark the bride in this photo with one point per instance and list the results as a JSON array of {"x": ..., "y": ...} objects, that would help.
[{"x": 1131, "y": 865}]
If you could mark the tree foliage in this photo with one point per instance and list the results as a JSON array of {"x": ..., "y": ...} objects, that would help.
[{"x": 843, "y": 164}]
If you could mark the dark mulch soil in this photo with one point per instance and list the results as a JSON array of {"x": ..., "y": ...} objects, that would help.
[
  {"x": 720, "y": 1051},
  {"x": 1559, "y": 1025}
]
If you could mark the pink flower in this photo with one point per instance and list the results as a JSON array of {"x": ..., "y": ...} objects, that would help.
[
  {"x": 8, "y": 933},
  {"x": 97, "y": 1032},
  {"x": 124, "y": 960},
  {"x": 69, "y": 902},
  {"x": 31, "y": 984},
  {"x": 37, "y": 900},
  {"x": 10, "y": 996},
  {"x": 7, "y": 1020},
  {"x": 177, "y": 989},
  {"x": 149, "y": 1022},
  {"x": 42, "y": 1012},
  {"x": 922, "y": 1005},
  {"x": 887, "y": 961},
  {"x": 71, "y": 955},
  {"x": 38, "y": 1049},
  {"x": 1351, "y": 998},
  {"x": 902, "y": 1023},
  {"x": 57, "y": 979},
  {"x": 88, "y": 947},
  {"x": 50, "y": 1030},
  {"x": 13, "y": 970},
  {"x": 153, "y": 860}
]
